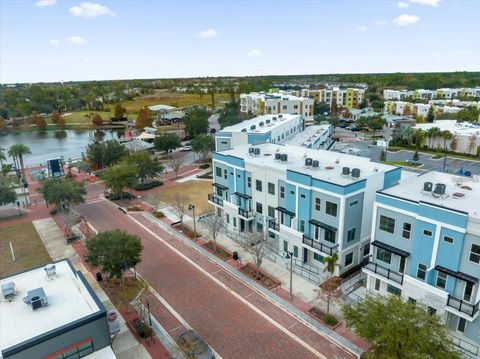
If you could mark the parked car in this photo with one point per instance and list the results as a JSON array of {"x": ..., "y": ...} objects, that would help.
[
  {"x": 194, "y": 346},
  {"x": 353, "y": 128},
  {"x": 186, "y": 148}
]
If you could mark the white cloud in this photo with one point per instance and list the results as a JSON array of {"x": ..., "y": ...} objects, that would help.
[
  {"x": 381, "y": 22},
  {"x": 54, "y": 42},
  {"x": 77, "y": 40},
  {"x": 254, "y": 53},
  {"x": 403, "y": 5},
  {"x": 207, "y": 33},
  {"x": 426, "y": 2},
  {"x": 90, "y": 10},
  {"x": 405, "y": 19},
  {"x": 42, "y": 3},
  {"x": 362, "y": 28}
]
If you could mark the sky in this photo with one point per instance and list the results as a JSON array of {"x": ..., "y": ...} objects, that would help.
[{"x": 63, "y": 40}]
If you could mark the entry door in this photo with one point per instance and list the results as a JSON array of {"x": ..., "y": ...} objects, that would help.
[
  {"x": 401, "y": 267},
  {"x": 305, "y": 255},
  {"x": 242, "y": 225}
]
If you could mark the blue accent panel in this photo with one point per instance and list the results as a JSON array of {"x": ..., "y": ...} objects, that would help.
[
  {"x": 255, "y": 138},
  {"x": 392, "y": 177},
  {"x": 299, "y": 178},
  {"x": 397, "y": 203},
  {"x": 231, "y": 180},
  {"x": 240, "y": 181},
  {"x": 422, "y": 246},
  {"x": 304, "y": 208},
  {"x": 442, "y": 215},
  {"x": 235, "y": 161},
  {"x": 290, "y": 198},
  {"x": 307, "y": 180},
  {"x": 449, "y": 254}
]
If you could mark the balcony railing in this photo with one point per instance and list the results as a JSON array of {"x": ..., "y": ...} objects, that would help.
[
  {"x": 246, "y": 214},
  {"x": 384, "y": 272},
  {"x": 462, "y": 306},
  {"x": 320, "y": 246},
  {"x": 273, "y": 225},
  {"x": 213, "y": 198}
]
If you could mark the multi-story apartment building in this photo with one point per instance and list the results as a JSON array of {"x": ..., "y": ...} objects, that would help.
[
  {"x": 315, "y": 203},
  {"x": 426, "y": 248},
  {"x": 350, "y": 97},
  {"x": 262, "y": 103},
  {"x": 403, "y": 108},
  {"x": 314, "y": 137},
  {"x": 443, "y": 93},
  {"x": 261, "y": 129}
]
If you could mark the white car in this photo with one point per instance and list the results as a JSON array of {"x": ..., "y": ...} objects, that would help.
[{"x": 186, "y": 148}]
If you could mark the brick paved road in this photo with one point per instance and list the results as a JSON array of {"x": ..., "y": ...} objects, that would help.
[{"x": 243, "y": 325}]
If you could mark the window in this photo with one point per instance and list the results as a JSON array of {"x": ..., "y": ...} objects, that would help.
[
  {"x": 377, "y": 284},
  {"x": 317, "y": 204},
  {"x": 462, "y": 325},
  {"x": 318, "y": 257},
  {"x": 285, "y": 246},
  {"x": 225, "y": 174},
  {"x": 387, "y": 224},
  {"x": 431, "y": 311},
  {"x": 401, "y": 265},
  {"x": 351, "y": 235},
  {"x": 393, "y": 290},
  {"x": 302, "y": 196},
  {"x": 259, "y": 208},
  {"x": 329, "y": 236},
  {"x": 284, "y": 107},
  {"x": 259, "y": 227},
  {"x": 218, "y": 171},
  {"x": 282, "y": 192},
  {"x": 271, "y": 211},
  {"x": 475, "y": 253},
  {"x": 448, "y": 239},
  {"x": 295, "y": 106},
  {"x": 219, "y": 192},
  {"x": 412, "y": 301},
  {"x": 384, "y": 256},
  {"x": 76, "y": 351},
  {"x": 441, "y": 280},
  {"x": 467, "y": 294},
  {"x": 292, "y": 192},
  {"x": 271, "y": 188},
  {"x": 302, "y": 226},
  {"x": 427, "y": 233},
  {"x": 316, "y": 233},
  {"x": 249, "y": 182},
  {"x": 295, "y": 251},
  {"x": 331, "y": 209},
  {"x": 235, "y": 222},
  {"x": 258, "y": 185},
  {"x": 366, "y": 249},
  {"x": 353, "y": 203},
  {"x": 228, "y": 218},
  {"x": 421, "y": 271},
  {"x": 407, "y": 229},
  {"x": 348, "y": 259}
]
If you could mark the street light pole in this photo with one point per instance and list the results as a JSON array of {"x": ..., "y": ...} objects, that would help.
[
  {"x": 192, "y": 208},
  {"x": 289, "y": 255}
]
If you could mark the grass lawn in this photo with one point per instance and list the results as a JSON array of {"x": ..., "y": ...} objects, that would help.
[
  {"x": 399, "y": 163},
  {"x": 172, "y": 99},
  {"x": 82, "y": 116},
  {"x": 27, "y": 246},
  {"x": 196, "y": 191}
]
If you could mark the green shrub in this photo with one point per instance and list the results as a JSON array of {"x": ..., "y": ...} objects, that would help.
[
  {"x": 204, "y": 166},
  {"x": 54, "y": 211},
  {"x": 159, "y": 214},
  {"x": 330, "y": 320},
  {"x": 123, "y": 195},
  {"x": 147, "y": 185}
]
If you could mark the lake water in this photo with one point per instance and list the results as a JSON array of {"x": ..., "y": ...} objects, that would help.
[{"x": 52, "y": 144}]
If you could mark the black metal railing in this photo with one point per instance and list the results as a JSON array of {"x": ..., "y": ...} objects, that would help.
[
  {"x": 384, "y": 272},
  {"x": 462, "y": 305},
  {"x": 213, "y": 198},
  {"x": 330, "y": 250},
  {"x": 273, "y": 225},
  {"x": 468, "y": 349},
  {"x": 244, "y": 213}
]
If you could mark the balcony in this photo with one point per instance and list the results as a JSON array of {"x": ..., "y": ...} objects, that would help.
[
  {"x": 462, "y": 306},
  {"x": 248, "y": 215},
  {"x": 213, "y": 198},
  {"x": 274, "y": 226},
  {"x": 384, "y": 272},
  {"x": 320, "y": 246}
]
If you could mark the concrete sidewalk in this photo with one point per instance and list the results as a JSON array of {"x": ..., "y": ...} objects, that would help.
[{"x": 125, "y": 346}]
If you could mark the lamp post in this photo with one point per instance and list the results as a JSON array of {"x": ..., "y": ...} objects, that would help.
[
  {"x": 19, "y": 210},
  {"x": 289, "y": 255},
  {"x": 191, "y": 207}
]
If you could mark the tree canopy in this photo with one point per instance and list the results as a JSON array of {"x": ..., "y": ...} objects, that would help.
[
  {"x": 144, "y": 118},
  {"x": 63, "y": 192},
  {"x": 196, "y": 121},
  {"x": 114, "y": 252},
  {"x": 7, "y": 195},
  {"x": 105, "y": 153},
  {"x": 147, "y": 166},
  {"x": 399, "y": 330},
  {"x": 203, "y": 144},
  {"x": 166, "y": 141},
  {"x": 120, "y": 176}
]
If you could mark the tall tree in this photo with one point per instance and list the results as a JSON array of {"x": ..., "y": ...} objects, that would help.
[
  {"x": 196, "y": 121},
  {"x": 7, "y": 195},
  {"x": 147, "y": 166},
  {"x": 431, "y": 114},
  {"x": 18, "y": 151},
  {"x": 3, "y": 124},
  {"x": 41, "y": 122},
  {"x": 119, "y": 113},
  {"x": 105, "y": 153},
  {"x": 432, "y": 134},
  {"x": 144, "y": 118},
  {"x": 329, "y": 292},
  {"x": 97, "y": 120},
  {"x": 176, "y": 164},
  {"x": 400, "y": 330},
  {"x": 376, "y": 124},
  {"x": 119, "y": 177},
  {"x": 203, "y": 144},
  {"x": 56, "y": 117},
  {"x": 114, "y": 252},
  {"x": 63, "y": 192},
  {"x": 256, "y": 245},
  {"x": 180, "y": 206},
  {"x": 215, "y": 224},
  {"x": 166, "y": 141},
  {"x": 61, "y": 123}
]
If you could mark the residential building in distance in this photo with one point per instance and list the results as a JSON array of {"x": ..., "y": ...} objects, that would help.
[
  {"x": 52, "y": 312},
  {"x": 426, "y": 248},
  {"x": 263, "y": 103},
  {"x": 261, "y": 129},
  {"x": 314, "y": 137},
  {"x": 315, "y": 203},
  {"x": 443, "y": 93},
  {"x": 403, "y": 108},
  {"x": 349, "y": 97}
]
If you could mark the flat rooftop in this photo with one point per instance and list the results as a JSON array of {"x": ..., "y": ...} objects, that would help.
[
  {"x": 308, "y": 136},
  {"x": 461, "y": 193},
  {"x": 275, "y": 95},
  {"x": 68, "y": 300},
  {"x": 267, "y": 127},
  {"x": 330, "y": 163},
  {"x": 457, "y": 128}
]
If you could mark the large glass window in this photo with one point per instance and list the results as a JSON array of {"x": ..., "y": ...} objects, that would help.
[
  {"x": 218, "y": 171},
  {"x": 351, "y": 235},
  {"x": 384, "y": 256},
  {"x": 329, "y": 236},
  {"x": 76, "y": 351},
  {"x": 271, "y": 211},
  {"x": 348, "y": 259},
  {"x": 317, "y": 204},
  {"x": 271, "y": 188},
  {"x": 331, "y": 208},
  {"x": 393, "y": 290},
  {"x": 407, "y": 229},
  {"x": 259, "y": 208},
  {"x": 387, "y": 224},
  {"x": 258, "y": 185},
  {"x": 475, "y": 253},
  {"x": 282, "y": 192},
  {"x": 421, "y": 271},
  {"x": 302, "y": 226},
  {"x": 441, "y": 280}
]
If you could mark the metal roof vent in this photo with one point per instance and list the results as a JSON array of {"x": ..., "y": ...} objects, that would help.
[
  {"x": 308, "y": 162},
  {"x": 345, "y": 171},
  {"x": 256, "y": 151},
  {"x": 9, "y": 291},
  {"x": 427, "y": 186},
  {"x": 277, "y": 156},
  {"x": 284, "y": 157},
  {"x": 251, "y": 150},
  {"x": 50, "y": 271},
  {"x": 316, "y": 164},
  {"x": 439, "y": 190},
  {"x": 355, "y": 172}
]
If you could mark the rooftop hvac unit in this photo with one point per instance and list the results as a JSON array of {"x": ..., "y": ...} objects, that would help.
[
  {"x": 251, "y": 150},
  {"x": 284, "y": 157},
  {"x": 256, "y": 151},
  {"x": 274, "y": 118},
  {"x": 252, "y": 127},
  {"x": 308, "y": 162},
  {"x": 244, "y": 130},
  {"x": 427, "y": 186},
  {"x": 355, "y": 172},
  {"x": 261, "y": 123},
  {"x": 277, "y": 156},
  {"x": 439, "y": 190},
  {"x": 9, "y": 291},
  {"x": 345, "y": 171},
  {"x": 267, "y": 121},
  {"x": 50, "y": 271},
  {"x": 280, "y": 116},
  {"x": 36, "y": 298},
  {"x": 315, "y": 164}
]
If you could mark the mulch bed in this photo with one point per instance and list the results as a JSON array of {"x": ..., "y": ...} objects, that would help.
[
  {"x": 186, "y": 230},
  {"x": 319, "y": 315},
  {"x": 265, "y": 280},
  {"x": 221, "y": 252}
]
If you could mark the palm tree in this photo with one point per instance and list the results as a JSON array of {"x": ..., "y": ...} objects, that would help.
[
  {"x": 2, "y": 155},
  {"x": 432, "y": 133},
  {"x": 17, "y": 151},
  {"x": 331, "y": 263},
  {"x": 446, "y": 135}
]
